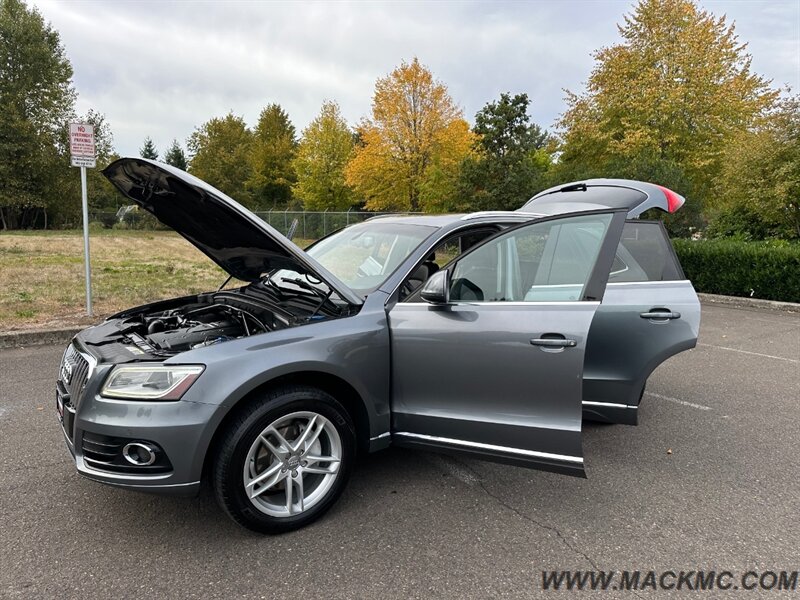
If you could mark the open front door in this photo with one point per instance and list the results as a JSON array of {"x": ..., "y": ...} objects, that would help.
[{"x": 494, "y": 368}]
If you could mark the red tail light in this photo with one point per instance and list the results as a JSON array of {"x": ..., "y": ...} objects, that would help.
[{"x": 674, "y": 201}]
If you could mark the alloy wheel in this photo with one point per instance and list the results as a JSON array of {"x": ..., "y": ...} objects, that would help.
[{"x": 292, "y": 464}]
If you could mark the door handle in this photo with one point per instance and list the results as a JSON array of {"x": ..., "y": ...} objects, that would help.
[
  {"x": 660, "y": 313},
  {"x": 554, "y": 342}
]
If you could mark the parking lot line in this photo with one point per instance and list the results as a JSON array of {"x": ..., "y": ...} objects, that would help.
[
  {"x": 678, "y": 401},
  {"x": 791, "y": 360}
]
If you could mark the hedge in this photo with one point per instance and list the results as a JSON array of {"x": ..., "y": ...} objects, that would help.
[{"x": 769, "y": 270}]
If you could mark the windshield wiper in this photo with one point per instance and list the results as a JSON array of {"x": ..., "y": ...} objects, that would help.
[
  {"x": 271, "y": 284},
  {"x": 324, "y": 296},
  {"x": 305, "y": 285}
]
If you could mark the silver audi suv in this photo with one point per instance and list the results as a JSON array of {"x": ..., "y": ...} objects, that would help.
[{"x": 489, "y": 334}]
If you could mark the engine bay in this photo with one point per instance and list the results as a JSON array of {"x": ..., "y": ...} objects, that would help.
[{"x": 166, "y": 328}]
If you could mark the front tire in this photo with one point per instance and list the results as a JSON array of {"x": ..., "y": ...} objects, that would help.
[{"x": 285, "y": 460}]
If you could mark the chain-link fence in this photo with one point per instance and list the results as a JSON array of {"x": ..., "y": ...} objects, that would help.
[
  {"x": 316, "y": 224},
  {"x": 310, "y": 224}
]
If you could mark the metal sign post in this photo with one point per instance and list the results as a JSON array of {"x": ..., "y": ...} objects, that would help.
[
  {"x": 82, "y": 154},
  {"x": 88, "y": 268}
]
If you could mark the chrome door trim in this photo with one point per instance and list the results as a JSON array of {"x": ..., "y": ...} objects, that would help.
[
  {"x": 503, "y": 303},
  {"x": 517, "y": 451},
  {"x": 635, "y": 283},
  {"x": 606, "y": 404}
]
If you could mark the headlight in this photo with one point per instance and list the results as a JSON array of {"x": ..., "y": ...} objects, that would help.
[{"x": 150, "y": 382}]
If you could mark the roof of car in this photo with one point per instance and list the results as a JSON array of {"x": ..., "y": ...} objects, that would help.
[{"x": 444, "y": 220}]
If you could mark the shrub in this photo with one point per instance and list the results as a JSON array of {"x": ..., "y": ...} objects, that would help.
[
  {"x": 769, "y": 270},
  {"x": 96, "y": 226},
  {"x": 738, "y": 221}
]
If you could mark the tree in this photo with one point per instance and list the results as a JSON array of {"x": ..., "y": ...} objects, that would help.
[
  {"x": 220, "y": 152},
  {"x": 149, "y": 149},
  {"x": 273, "y": 148},
  {"x": 759, "y": 184},
  {"x": 411, "y": 149},
  {"x": 323, "y": 153},
  {"x": 36, "y": 101},
  {"x": 675, "y": 89},
  {"x": 175, "y": 156},
  {"x": 510, "y": 161}
]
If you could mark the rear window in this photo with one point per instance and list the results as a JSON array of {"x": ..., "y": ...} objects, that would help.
[
  {"x": 592, "y": 196},
  {"x": 645, "y": 254}
]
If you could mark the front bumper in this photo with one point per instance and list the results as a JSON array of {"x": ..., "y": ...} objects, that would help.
[{"x": 180, "y": 430}]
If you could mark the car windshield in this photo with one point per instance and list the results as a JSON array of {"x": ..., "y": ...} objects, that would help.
[{"x": 363, "y": 256}]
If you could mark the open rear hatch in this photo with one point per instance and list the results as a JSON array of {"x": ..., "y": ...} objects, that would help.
[{"x": 592, "y": 194}]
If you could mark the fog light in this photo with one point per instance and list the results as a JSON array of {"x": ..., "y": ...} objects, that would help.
[{"x": 139, "y": 454}]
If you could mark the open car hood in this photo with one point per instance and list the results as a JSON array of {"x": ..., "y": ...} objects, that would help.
[
  {"x": 224, "y": 230},
  {"x": 591, "y": 194}
]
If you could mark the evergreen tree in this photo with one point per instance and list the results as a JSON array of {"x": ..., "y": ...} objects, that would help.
[
  {"x": 510, "y": 161},
  {"x": 175, "y": 156},
  {"x": 149, "y": 149}
]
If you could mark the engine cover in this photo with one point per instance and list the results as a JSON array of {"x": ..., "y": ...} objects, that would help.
[{"x": 178, "y": 340}]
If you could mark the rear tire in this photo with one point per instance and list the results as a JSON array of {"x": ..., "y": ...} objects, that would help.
[{"x": 284, "y": 460}]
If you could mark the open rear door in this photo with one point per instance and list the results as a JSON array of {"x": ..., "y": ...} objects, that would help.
[{"x": 649, "y": 313}]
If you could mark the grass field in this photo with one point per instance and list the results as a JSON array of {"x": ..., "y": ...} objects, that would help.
[{"x": 42, "y": 282}]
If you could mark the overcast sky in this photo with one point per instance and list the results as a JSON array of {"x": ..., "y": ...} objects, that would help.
[{"x": 163, "y": 68}]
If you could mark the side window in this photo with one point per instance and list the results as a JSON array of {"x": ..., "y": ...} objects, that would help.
[
  {"x": 443, "y": 253},
  {"x": 644, "y": 254},
  {"x": 541, "y": 262}
]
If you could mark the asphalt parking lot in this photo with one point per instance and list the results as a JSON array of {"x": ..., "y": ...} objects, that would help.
[{"x": 413, "y": 524}]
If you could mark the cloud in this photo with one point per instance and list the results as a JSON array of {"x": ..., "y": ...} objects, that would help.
[{"x": 160, "y": 69}]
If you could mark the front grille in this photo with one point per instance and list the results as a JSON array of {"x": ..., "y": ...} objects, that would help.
[
  {"x": 105, "y": 453},
  {"x": 74, "y": 373}
]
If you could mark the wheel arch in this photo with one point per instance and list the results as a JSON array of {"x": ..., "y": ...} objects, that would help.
[{"x": 334, "y": 385}]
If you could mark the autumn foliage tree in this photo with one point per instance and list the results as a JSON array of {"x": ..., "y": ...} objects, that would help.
[
  {"x": 666, "y": 98},
  {"x": 411, "y": 149},
  {"x": 322, "y": 155}
]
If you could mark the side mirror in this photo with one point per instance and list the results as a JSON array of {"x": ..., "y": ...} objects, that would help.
[{"x": 437, "y": 289}]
